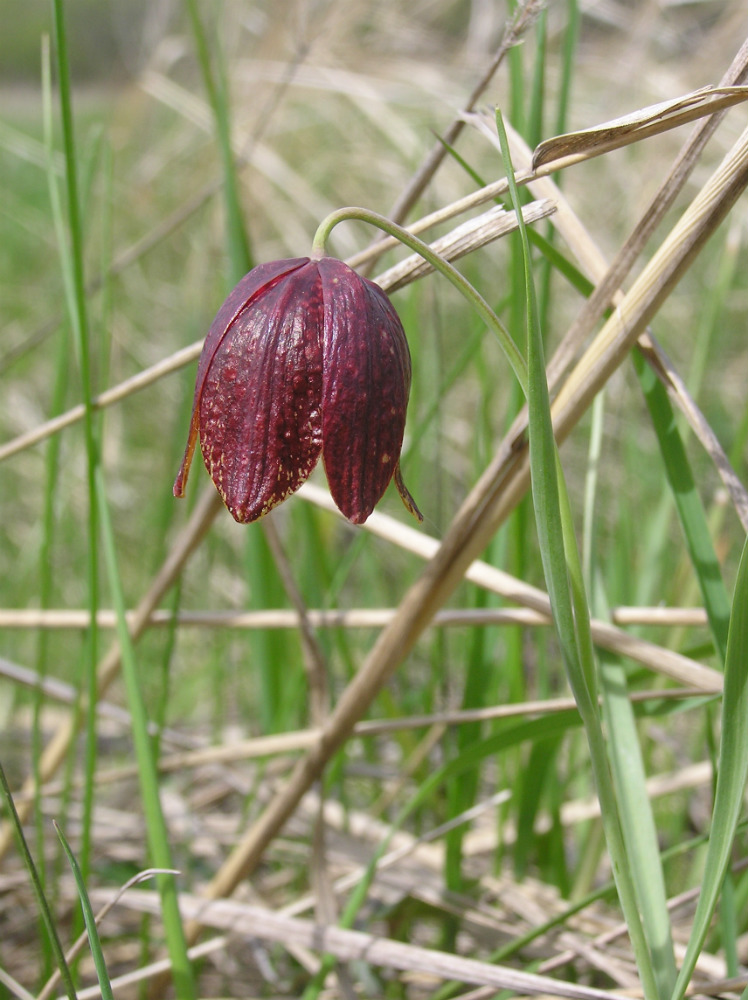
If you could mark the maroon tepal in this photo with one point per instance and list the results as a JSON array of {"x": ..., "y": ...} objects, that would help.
[{"x": 305, "y": 357}]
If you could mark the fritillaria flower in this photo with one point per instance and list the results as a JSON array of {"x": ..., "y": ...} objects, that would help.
[{"x": 305, "y": 358}]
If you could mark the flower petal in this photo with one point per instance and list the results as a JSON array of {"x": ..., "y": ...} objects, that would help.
[
  {"x": 260, "y": 397},
  {"x": 239, "y": 299},
  {"x": 365, "y": 389}
]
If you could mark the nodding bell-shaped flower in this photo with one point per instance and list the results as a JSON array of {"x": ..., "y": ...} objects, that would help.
[{"x": 305, "y": 358}]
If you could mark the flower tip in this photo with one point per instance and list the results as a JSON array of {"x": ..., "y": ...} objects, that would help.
[
  {"x": 179, "y": 482},
  {"x": 405, "y": 495},
  {"x": 184, "y": 469}
]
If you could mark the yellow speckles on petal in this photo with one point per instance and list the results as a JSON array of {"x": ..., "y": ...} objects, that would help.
[{"x": 385, "y": 459}]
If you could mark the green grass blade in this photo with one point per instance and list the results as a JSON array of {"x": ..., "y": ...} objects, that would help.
[
  {"x": 535, "y": 114},
  {"x": 563, "y": 575},
  {"x": 52, "y": 475},
  {"x": 157, "y": 833},
  {"x": 637, "y": 821},
  {"x": 71, "y": 256},
  {"x": 696, "y": 532},
  {"x": 72, "y": 261},
  {"x": 568, "y": 65},
  {"x": 731, "y": 775},
  {"x": 36, "y": 884},
  {"x": 561, "y": 263},
  {"x": 688, "y": 503},
  {"x": 536, "y": 777},
  {"x": 89, "y": 919},
  {"x": 280, "y": 698},
  {"x": 462, "y": 793},
  {"x": 730, "y": 926},
  {"x": 624, "y": 751},
  {"x": 240, "y": 253}
]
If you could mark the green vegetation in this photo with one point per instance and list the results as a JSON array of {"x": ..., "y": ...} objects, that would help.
[{"x": 498, "y": 760}]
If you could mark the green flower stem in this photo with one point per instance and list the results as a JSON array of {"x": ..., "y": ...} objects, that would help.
[{"x": 439, "y": 264}]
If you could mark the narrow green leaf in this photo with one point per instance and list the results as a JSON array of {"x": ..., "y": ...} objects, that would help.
[
  {"x": 730, "y": 926},
  {"x": 536, "y": 111},
  {"x": 565, "y": 585},
  {"x": 36, "y": 884},
  {"x": 157, "y": 833},
  {"x": 71, "y": 258},
  {"x": 637, "y": 820},
  {"x": 731, "y": 775},
  {"x": 90, "y": 920},
  {"x": 240, "y": 253},
  {"x": 98, "y": 513},
  {"x": 688, "y": 503},
  {"x": 45, "y": 642},
  {"x": 536, "y": 776},
  {"x": 624, "y": 751}
]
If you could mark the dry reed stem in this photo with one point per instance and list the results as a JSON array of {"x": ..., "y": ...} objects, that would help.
[
  {"x": 676, "y": 387},
  {"x": 282, "y": 618},
  {"x": 488, "y": 504},
  {"x": 574, "y": 147},
  {"x": 665, "y": 661},
  {"x": 348, "y": 945},
  {"x": 301, "y": 739}
]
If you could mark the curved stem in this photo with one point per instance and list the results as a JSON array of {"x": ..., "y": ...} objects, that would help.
[{"x": 439, "y": 264}]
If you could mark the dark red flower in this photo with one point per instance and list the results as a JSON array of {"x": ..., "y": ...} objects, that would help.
[{"x": 305, "y": 357}]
